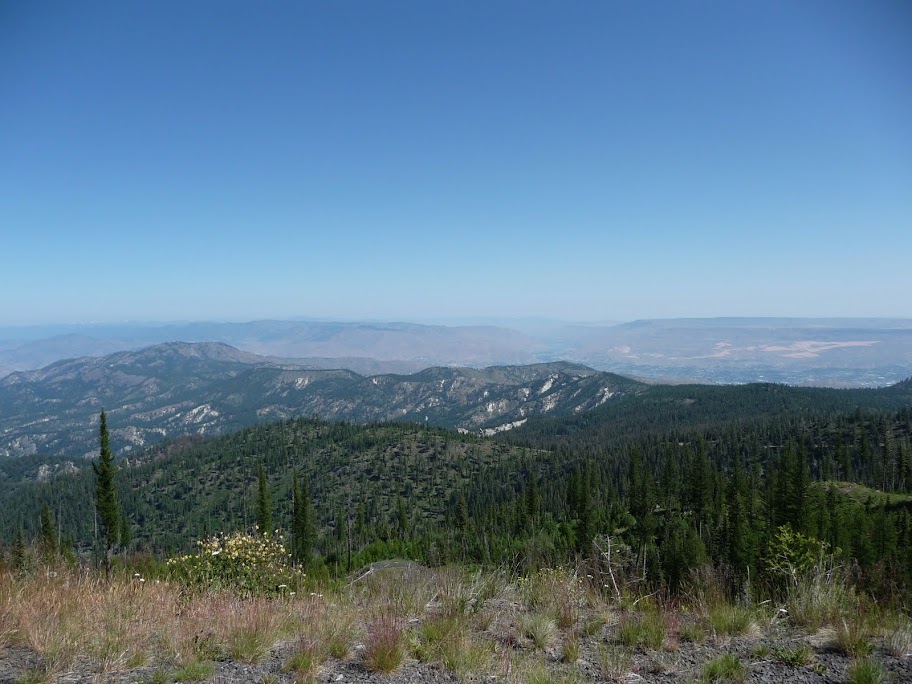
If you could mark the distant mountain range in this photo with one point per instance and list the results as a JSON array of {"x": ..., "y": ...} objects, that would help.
[
  {"x": 208, "y": 388},
  {"x": 830, "y": 352}
]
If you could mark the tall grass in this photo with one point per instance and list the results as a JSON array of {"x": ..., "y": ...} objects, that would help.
[
  {"x": 383, "y": 651},
  {"x": 75, "y": 622},
  {"x": 252, "y": 627},
  {"x": 823, "y": 597}
]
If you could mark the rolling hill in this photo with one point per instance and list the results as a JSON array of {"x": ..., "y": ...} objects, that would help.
[{"x": 174, "y": 389}]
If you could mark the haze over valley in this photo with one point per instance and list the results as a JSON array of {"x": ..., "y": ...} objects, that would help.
[{"x": 827, "y": 352}]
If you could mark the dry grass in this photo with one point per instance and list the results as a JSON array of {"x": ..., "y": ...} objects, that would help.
[
  {"x": 251, "y": 628},
  {"x": 383, "y": 651},
  {"x": 469, "y": 624},
  {"x": 898, "y": 639},
  {"x": 853, "y": 635},
  {"x": 539, "y": 629},
  {"x": 69, "y": 615},
  {"x": 822, "y": 599}
]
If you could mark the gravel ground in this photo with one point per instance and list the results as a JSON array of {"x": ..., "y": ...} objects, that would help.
[{"x": 683, "y": 665}]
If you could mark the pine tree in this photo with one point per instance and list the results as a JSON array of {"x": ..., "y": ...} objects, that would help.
[
  {"x": 126, "y": 534},
  {"x": 106, "y": 494},
  {"x": 534, "y": 500},
  {"x": 264, "y": 503},
  {"x": 462, "y": 513},
  {"x": 641, "y": 503},
  {"x": 361, "y": 524},
  {"x": 48, "y": 534},
  {"x": 585, "y": 529},
  {"x": 402, "y": 520},
  {"x": 19, "y": 550},
  {"x": 302, "y": 527}
]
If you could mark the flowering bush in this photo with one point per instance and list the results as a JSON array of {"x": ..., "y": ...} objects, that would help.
[{"x": 245, "y": 563}]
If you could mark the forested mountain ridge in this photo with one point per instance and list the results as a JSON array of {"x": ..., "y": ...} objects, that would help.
[
  {"x": 178, "y": 491},
  {"x": 675, "y": 496},
  {"x": 173, "y": 389},
  {"x": 665, "y": 408}
]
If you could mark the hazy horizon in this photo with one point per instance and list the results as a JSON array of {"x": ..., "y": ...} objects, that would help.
[{"x": 57, "y": 328}]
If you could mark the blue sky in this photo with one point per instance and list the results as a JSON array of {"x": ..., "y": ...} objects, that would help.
[{"x": 422, "y": 160}]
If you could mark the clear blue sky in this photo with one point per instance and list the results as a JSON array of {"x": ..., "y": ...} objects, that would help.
[{"x": 416, "y": 160}]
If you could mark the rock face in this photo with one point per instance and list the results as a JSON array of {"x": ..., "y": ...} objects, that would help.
[{"x": 207, "y": 388}]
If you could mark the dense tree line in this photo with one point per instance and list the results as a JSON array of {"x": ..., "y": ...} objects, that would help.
[{"x": 686, "y": 478}]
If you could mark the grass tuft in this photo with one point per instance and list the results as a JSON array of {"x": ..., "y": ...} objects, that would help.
[
  {"x": 866, "y": 671},
  {"x": 821, "y": 599},
  {"x": 692, "y": 632},
  {"x": 794, "y": 657},
  {"x": 728, "y": 620},
  {"x": 194, "y": 671},
  {"x": 383, "y": 651},
  {"x": 253, "y": 629},
  {"x": 571, "y": 650},
  {"x": 615, "y": 662},
  {"x": 34, "y": 676},
  {"x": 853, "y": 636},
  {"x": 725, "y": 668},
  {"x": 308, "y": 656},
  {"x": 898, "y": 639},
  {"x": 540, "y": 629},
  {"x": 646, "y": 630}
]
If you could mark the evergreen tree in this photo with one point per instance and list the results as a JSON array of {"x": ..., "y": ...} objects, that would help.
[
  {"x": 738, "y": 535},
  {"x": 534, "y": 500},
  {"x": 845, "y": 460},
  {"x": 264, "y": 503},
  {"x": 585, "y": 529},
  {"x": 126, "y": 535},
  {"x": 361, "y": 524},
  {"x": 19, "y": 550},
  {"x": 106, "y": 503},
  {"x": 48, "y": 539},
  {"x": 302, "y": 528},
  {"x": 462, "y": 513},
  {"x": 402, "y": 521},
  {"x": 641, "y": 502}
]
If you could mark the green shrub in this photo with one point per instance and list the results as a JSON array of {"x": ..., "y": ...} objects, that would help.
[
  {"x": 245, "y": 563},
  {"x": 793, "y": 555}
]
